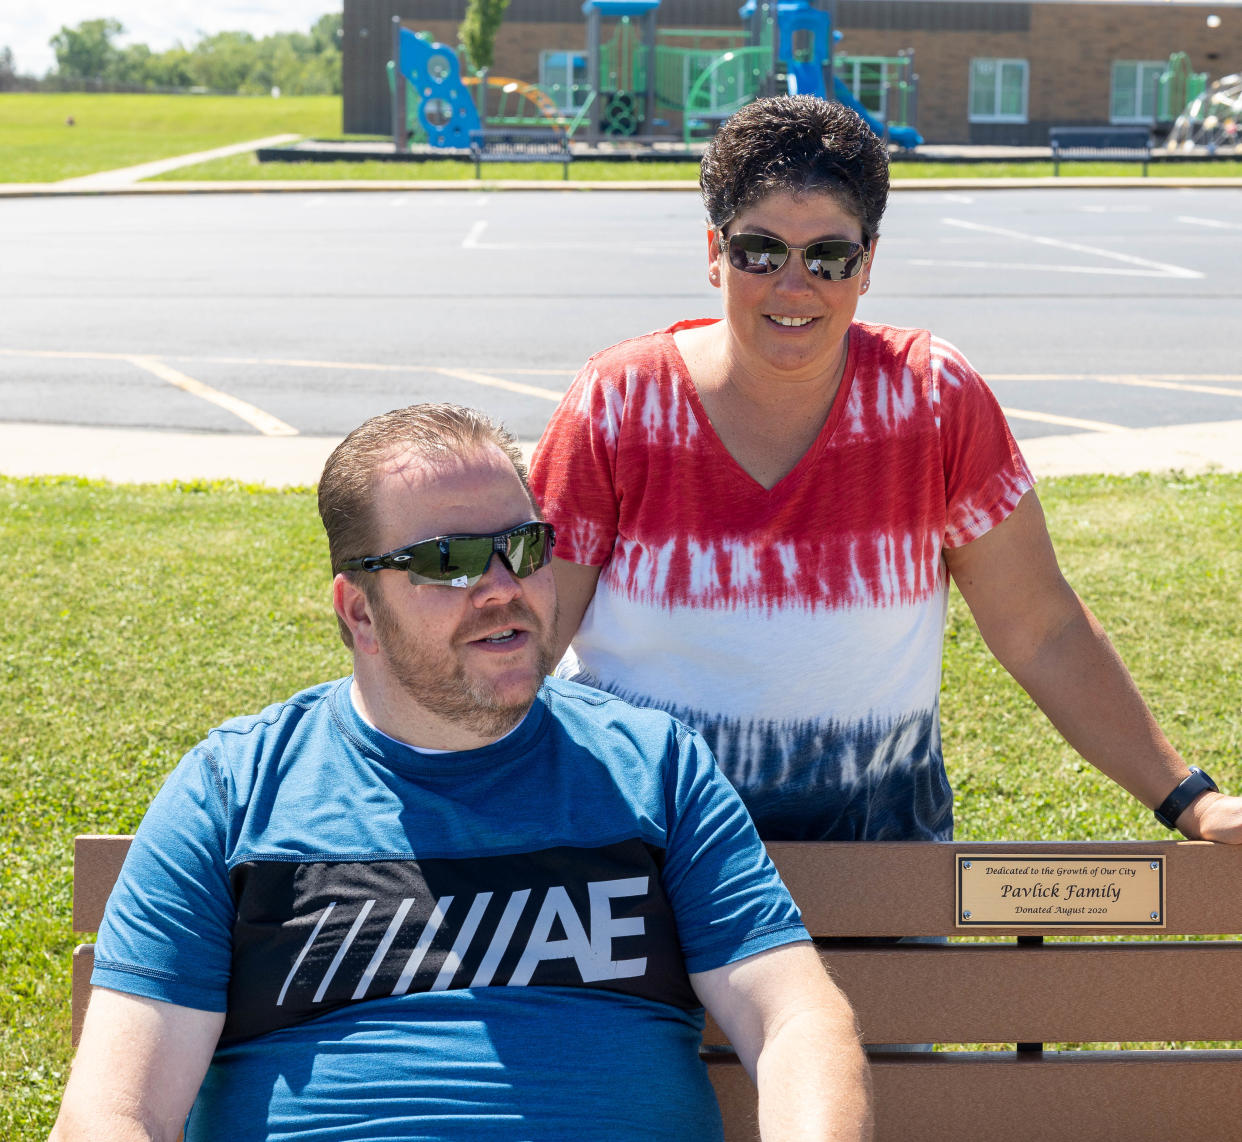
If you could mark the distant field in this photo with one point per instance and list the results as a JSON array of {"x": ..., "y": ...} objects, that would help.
[{"x": 110, "y": 131}]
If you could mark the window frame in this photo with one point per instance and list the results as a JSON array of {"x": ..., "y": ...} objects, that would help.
[
  {"x": 996, "y": 116},
  {"x": 852, "y": 67},
  {"x": 1140, "y": 89},
  {"x": 572, "y": 58}
]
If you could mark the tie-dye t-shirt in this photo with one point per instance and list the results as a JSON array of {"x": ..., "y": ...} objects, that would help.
[{"x": 799, "y": 628}]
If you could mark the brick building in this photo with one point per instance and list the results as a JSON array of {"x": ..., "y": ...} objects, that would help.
[{"x": 1001, "y": 71}]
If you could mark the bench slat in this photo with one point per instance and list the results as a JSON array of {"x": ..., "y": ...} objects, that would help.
[
  {"x": 97, "y": 863},
  {"x": 849, "y": 890},
  {"x": 908, "y": 889},
  {"x": 1067, "y": 993},
  {"x": 1138, "y": 1096}
]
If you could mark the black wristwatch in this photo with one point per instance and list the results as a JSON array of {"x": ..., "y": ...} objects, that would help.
[{"x": 1177, "y": 802}]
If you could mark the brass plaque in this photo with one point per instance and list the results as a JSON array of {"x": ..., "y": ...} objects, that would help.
[{"x": 1018, "y": 891}]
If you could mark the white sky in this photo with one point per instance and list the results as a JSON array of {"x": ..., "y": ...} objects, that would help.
[{"x": 27, "y": 25}]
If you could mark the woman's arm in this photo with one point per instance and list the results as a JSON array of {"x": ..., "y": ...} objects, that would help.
[
  {"x": 575, "y": 588},
  {"x": 1044, "y": 635}
]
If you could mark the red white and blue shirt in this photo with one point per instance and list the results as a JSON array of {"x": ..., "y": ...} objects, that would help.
[{"x": 799, "y": 628}]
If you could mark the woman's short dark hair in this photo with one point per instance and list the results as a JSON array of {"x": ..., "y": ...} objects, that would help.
[{"x": 796, "y": 144}]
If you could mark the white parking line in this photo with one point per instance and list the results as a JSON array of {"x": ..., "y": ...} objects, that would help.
[
  {"x": 1215, "y": 223},
  {"x": 1155, "y": 269},
  {"x": 1049, "y": 267},
  {"x": 471, "y": 240},
  {"x": 265, "y": 422}
]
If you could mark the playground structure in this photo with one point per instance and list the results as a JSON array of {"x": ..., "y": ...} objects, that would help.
[
  {"x": 1211, "y": 120},
  {"x": 1177, "y": 87},
  {"x": 643, "y": 81}
]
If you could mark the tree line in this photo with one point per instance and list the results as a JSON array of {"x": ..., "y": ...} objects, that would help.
[{"x": 296, "y": 63}]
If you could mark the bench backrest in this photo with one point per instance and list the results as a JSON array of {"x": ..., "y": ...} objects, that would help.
[
  {"x": 1100, "y": 138},
  {"x": 1113, "y": 989}
]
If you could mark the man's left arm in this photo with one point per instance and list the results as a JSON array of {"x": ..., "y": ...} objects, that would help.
[
  {"x": 794, "y": 1032},
  {"x": 1044, "y": 635}
]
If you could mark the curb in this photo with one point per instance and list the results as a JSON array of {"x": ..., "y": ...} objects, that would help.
[
  {"x": 338, "y": 186},
  {"x": 144, "y": 456}
]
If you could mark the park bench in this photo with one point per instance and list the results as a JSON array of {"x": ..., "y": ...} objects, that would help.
[
  {"x": 1017, "y": 990},
  {"x": 520, "y": 145},
  {"x": 1110, "y": 144}
]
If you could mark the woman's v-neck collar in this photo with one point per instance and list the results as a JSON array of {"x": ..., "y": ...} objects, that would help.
[{"x": 690, "y": 393}]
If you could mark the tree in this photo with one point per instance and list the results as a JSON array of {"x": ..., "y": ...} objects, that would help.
[
  {"x": 170, "y": 69},
  {"x": 131, "y": 66},
  {"x": 327, "y": 32},
  {"x": 225, "y": 61},
  {"x": 87, "y": 51},
  {"x": 478, "y": 31}
]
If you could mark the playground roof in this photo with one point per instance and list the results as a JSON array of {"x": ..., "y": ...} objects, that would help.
[{"x": 619, "y": 7}]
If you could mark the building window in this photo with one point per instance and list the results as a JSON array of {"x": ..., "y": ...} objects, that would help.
[
  {"x": 563, "y": 77},
  {"x": 998, "y": 90},
  {"x": 1133, "y": 98},
  {"x": 868, "y": 78}
]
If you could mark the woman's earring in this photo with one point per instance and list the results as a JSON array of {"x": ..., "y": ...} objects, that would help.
[{"x": 865, "y": 286}]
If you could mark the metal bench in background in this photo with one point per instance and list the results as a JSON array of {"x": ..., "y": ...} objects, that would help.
[
  {"x": 1102, "y": 144},
  {"x": 520, "y": 145}
]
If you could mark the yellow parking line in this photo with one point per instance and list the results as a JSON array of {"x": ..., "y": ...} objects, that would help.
[
  {"x": 1065, "y": 421},
  {"x": 265, "y": 422},
  {"x": 1178, "y": 382},
  {"x": 366, "y": 366},
  {"x": 500, "y": 383}
]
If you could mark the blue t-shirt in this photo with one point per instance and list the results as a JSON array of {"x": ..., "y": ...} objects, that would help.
[{"x": 492, "y": 944}]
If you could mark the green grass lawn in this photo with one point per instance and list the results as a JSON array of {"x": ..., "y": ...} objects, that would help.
[
  {"x": 137, "y": 618},
  {"x": 111, "y": 131},
  {"x": 244, "y": 167}
]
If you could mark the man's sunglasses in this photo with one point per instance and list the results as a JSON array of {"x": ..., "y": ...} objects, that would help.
[
  {"x": 833, "y": 261},
  {"x": 461, "y": 560}
]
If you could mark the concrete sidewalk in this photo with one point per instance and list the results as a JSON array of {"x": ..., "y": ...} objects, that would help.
[
  {"x": 127, "y": 455},
  {"x": 124, "y": 177}
]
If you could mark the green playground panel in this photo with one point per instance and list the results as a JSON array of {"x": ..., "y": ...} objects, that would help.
[
  {"x": 1178, "y": 87},
  {"x": 732, "y": 80}
]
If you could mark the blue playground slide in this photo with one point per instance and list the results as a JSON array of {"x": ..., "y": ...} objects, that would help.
[{"x": 808, "y": 79}]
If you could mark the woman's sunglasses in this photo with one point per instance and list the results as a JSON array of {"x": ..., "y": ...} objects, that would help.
[
  {"x": 461, "y": 560},
  {"x": 833, "y": 261}
]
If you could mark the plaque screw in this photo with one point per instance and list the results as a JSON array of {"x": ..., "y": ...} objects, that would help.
[
  {"x": 1155, "y": 865},
  {"x": 966, "y": 914},
  {"x": 965, "y": 864},
  {"x": 1155, "y": 915}
]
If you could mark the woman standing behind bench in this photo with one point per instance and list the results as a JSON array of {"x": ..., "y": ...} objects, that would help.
[{"x": 757, "y": 518}]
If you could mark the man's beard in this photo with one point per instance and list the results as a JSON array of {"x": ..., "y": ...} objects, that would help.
[{"x": 441, "y": 686}]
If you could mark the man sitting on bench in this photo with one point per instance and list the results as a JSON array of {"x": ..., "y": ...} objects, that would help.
[{"x": 445, "y": 897}]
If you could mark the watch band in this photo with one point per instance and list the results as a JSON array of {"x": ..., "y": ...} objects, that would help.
[{"x": 1179, "y": 800}]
